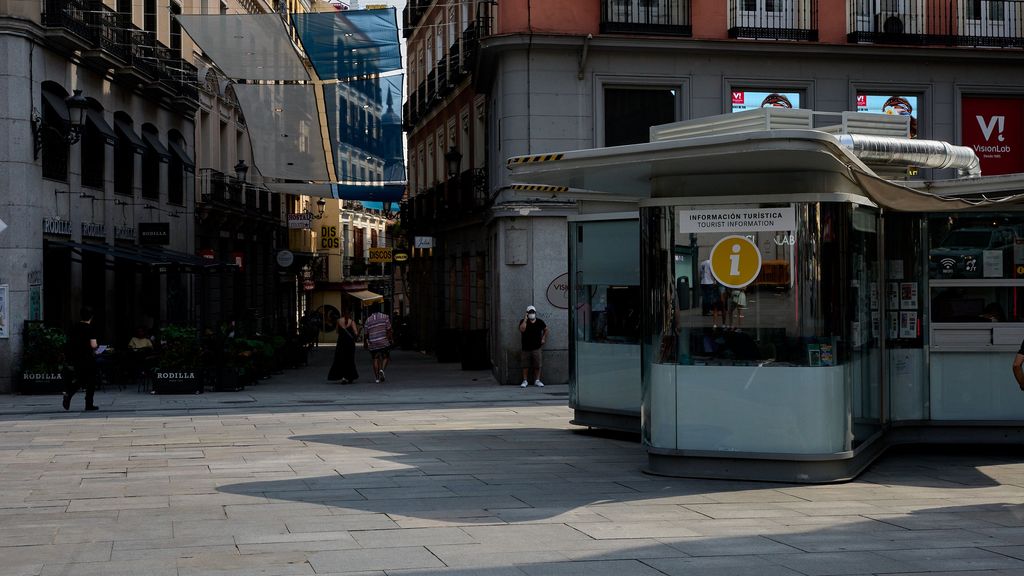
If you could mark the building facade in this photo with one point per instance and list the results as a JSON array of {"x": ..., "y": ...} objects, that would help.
[
  {"x": 518, "y": 77},
  {"x": 97, "y": 174}
]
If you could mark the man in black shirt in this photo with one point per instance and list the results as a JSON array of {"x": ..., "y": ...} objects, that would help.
[
  {"x": 534, "y": 334},
  {"x": 1018, "y": 372},
  {"x": 82, "y": 355}
]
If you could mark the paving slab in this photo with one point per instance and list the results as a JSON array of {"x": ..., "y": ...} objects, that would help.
[{"x": 441, "y": 471}]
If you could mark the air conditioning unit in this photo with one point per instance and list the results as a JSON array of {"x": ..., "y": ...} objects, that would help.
[{"x": 889, "y": 23}]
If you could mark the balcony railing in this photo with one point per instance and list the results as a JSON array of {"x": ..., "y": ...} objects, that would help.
[
  {"x": 774, "y": 19},
  {"x": 71, "y": 15},
  {"x": 663, "y": 17},
  {"x": 990, "y": 23}
]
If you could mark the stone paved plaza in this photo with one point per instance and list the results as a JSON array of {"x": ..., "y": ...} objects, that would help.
[{"x": 440, "y": 471}]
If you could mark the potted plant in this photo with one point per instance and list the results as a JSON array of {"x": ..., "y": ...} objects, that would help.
[
  {"x": 44, "y": 369},
  {"x": 177, "y": 362}
]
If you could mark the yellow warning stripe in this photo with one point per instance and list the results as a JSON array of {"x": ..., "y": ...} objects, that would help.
[
  {"x": 539, "y": 188},
  {"x": 533, "y": 159}
]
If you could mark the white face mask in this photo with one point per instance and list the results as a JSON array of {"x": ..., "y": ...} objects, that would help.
[{"x": 532, "y": 315}]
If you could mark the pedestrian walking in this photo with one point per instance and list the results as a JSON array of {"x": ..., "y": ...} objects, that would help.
[
  {"x": 82, "y": 348},
  {"x": 534, "y": 334},
  {"x": 1018, "y": 371},
  {"x": 708, "y": 289},
  {"x": 344, "y": 366},
  {"x": 379, "y": 338}
]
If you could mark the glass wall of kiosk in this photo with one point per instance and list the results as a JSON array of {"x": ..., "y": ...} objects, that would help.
[{"x": 604, "y": 375}]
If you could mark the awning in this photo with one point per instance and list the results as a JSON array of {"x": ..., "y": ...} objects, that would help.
[
  {"x": 179, "y": 151},
  {"x": 56, "y": 102},
  {"x": 153, "y": 141},
  {"x": 246, "y": 46},
  {"x": 146, "y": 256},
  {"x": 366, "y": 297},
  {"x": 129, "y": 133},
  {"x": 341, "y": 127},
  {"x": 95, "y": 117}
]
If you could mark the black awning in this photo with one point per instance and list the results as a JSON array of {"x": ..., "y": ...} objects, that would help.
[
  {"x": 178, "y": 150},
  {"x": 147, "y": 256},
  {"x": 125, "y": 129},
  {"x": 56, "y": 102},
  {"x": 153, "y": 141},
  {"x": 95, "y": 117}
]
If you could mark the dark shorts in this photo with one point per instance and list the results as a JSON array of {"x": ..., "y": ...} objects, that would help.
[
  {"x": 531, "y": 358},
  {"x": 381, "y": 353}
]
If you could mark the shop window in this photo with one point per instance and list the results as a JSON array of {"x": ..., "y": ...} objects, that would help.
[
  {"x": 893, "y": 105},
  {"x": 745, "y": 99},
  {"x": 629, "y": 112}
]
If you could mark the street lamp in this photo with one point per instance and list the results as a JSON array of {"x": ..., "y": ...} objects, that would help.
[
  {"x": 321, "y": 204},
  {"x": 453, "y": 158},
  {"x": 241, "y": 169},
  {"x": 77, "y": 104}
]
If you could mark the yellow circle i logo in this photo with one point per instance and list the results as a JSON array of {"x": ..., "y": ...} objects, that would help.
[{"x": 735, "y": 261}]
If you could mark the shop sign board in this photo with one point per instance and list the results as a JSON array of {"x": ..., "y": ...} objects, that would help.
[
  {"x": 423, "y": 242},
  {"x": 124, "y": 233},
  {"x": 285, "y": 258},
  {"x": 56, "y": 227},
  {"x": 93, "y": 230},
  {"x": 300, "y": 221},
  {"x": 558, "y": 292},
  {"x": 994, "y": 129},
  {"x": 380, "y": 255},
  {"x": 401, "y": 257},
  {"x": 737, "y": 220},
  {"x": 155, "y": 233}
]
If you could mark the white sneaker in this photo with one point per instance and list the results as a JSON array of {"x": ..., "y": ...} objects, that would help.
[
  {"x": 524, "y": 384},
  {"x": 539, "y": 384}
]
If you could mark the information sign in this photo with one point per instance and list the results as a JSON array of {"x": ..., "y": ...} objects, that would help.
[
  {"x": 735, "y": 261},
  {"x": 737, "y": 220},
  {"x": 380, "y": 255}
]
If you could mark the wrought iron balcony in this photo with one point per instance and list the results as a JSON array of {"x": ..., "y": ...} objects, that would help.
[
  {"x": 661, "y": 17},
  {"x": 67, "y": 23},
  {"x": 774, "y": 19},
  {"x": 989, "y": 23}
]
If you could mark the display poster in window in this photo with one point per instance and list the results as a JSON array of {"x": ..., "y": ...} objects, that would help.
[
  {"x": 893, "y": 294},
  {"x": 813, "y": 355},
  {"x": 874, "y": 295},
  {"x": 856, "y": 337},
  {"x": 908, "y": 295},
  {"x": 891, "y": 105},
  {"x": 754, "y": 99},
  {"x": 992, "y": 263},
  {"x": 876, "y": 327},
  {"x": 894, "y": 324},
  {"x": 827, "y": 356},
  {"x": 908, "y": 324},
  {"x": 994, "y": 129},
  {"x": 895, "y": 269}
]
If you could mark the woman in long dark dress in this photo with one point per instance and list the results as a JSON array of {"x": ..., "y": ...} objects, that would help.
[{"x": 344, "y": 366}]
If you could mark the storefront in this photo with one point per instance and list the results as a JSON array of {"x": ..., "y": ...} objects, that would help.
[{"x": 798, "y": 314}]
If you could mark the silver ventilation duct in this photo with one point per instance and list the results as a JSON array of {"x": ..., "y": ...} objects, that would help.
[{"x": 906, "y": 152}]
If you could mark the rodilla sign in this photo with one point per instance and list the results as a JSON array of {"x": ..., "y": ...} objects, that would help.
[{"x": 994, "y": 129}]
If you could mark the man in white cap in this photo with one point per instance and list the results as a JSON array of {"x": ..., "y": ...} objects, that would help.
[{"x": 534, "y": 333}]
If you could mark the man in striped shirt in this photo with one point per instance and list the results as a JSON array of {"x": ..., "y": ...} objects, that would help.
[{"x": 378, "y": 335}]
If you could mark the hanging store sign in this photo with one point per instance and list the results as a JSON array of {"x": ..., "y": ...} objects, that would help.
[
  {"x": 155, "y": 233},
  {"x": 124, "y": 233},
  {"x": 380, "y": 255},
  {"x": 92, "y": 230},
  {"x": 300, "y": 221},
  {"x": 401, "y": 257},
  {"x": 285, "y": 258},
  {"x": 423, "y": 242},
  {"x": 737, "y": 220},
  {"x": 56, "y": 227}
]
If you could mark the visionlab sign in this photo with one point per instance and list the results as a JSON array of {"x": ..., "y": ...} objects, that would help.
[{"x": 994, "y": 129}]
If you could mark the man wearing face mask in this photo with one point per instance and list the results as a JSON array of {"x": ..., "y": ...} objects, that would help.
[{"x": 534, "y": 333}]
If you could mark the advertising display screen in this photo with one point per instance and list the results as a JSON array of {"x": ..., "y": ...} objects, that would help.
[
  {"x": 994, "y": 129},
  {"x": 893, "y": 105},
  {"x": 753, "y": 99}
]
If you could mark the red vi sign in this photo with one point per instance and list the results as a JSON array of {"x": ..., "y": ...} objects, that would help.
[{"x": 994, "y": 129}]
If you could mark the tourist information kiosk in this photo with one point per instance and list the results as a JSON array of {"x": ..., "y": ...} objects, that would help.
[{"x": 830, "y": 312}]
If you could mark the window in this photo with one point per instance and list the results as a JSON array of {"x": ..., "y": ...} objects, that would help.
[
  {"x": 150, "y": 163},
  {"x": 630, "y": 112},
  {"x": 124, "y": 155},
  {"x": 94, "y": 152},
  {"x": 149, "y": 17},
  {"x": 56, "y": 151},
  {"x": 176, "y": 171},
  {"x": 175, "y": 30}
]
